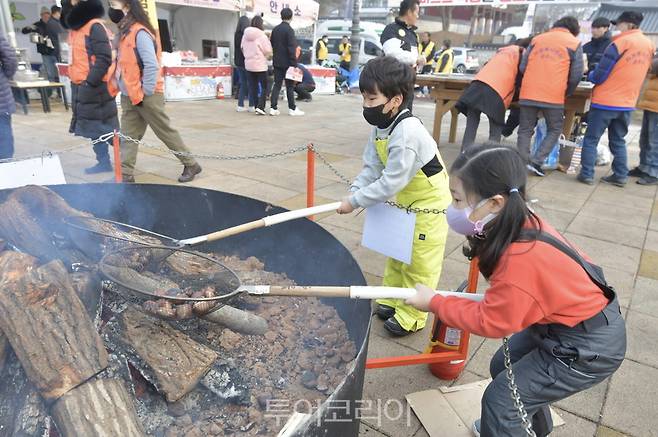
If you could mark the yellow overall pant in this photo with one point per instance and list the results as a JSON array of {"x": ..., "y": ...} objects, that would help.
[{"x": 429, "y": 243}]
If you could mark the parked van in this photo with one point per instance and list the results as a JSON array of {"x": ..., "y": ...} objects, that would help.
[{"x": 370, "y": 34}]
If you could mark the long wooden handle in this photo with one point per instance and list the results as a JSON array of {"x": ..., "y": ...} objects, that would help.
[
  {"x": 354, "y": 292},
  {"x": 270, "y": 220}
]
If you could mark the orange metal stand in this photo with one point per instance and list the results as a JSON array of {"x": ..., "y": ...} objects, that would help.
[{"x": 438, "y": 357}]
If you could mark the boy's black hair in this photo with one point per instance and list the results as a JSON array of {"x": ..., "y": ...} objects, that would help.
[
  {"x": 408, "y": 5},
  {"x": 447, "y": 43},
  {"x": 54, "y": 9},
  {"x": 286, "y": 14},
  {"x": 345, "y": 36},
  {"x": 570, "y": 23},
  {"x": 485, "y": 171},
  {"x": 388, "y": 76},
  {"x": 324, "y": 36}
]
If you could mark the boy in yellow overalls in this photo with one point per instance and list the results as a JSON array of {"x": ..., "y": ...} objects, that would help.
[{"x": 402, "y": 161}]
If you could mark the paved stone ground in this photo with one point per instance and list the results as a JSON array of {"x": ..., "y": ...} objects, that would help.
[{"x": 617, "y": 227}]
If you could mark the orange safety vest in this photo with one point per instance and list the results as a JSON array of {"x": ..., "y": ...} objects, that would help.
[
  {"x": 622, "y": 87},
  {"x": 547, "y": 73},
  {"x": 130, "y": 66},
  {"x": 501, "y": 71},
  {"x": 81, "y": 58}
]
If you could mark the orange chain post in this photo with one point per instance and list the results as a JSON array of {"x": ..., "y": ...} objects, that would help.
[
  {"x": 310, "y": 177},
  {"x": 116, "y": 145}
]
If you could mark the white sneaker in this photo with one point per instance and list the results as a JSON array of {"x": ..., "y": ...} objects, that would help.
[
  {"x": 295, "y": 112},
  {"x": 260, "y": 111},
  {"x": 274, "y": 112},
  {"x": 241, "y": 109},
  {"x": 252, "y": 109}
]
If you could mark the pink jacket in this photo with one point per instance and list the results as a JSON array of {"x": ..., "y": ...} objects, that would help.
[{"x": 256, "y": 48}]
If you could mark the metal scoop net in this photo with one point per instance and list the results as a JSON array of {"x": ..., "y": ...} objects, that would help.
[{"x": 170, "y": 283}]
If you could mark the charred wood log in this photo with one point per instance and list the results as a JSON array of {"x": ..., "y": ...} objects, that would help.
[
  {"x": 101, "y": 408},
  {"x": 47, "y": 325},
  {"x": 31, "y": 219},
  {"x": 89, "y": 289},
  {"x": 22, "y": 411},
  {"x": 172, "y": 361}
]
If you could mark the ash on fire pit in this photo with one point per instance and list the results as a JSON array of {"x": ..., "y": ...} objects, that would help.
[{"x": 192, "y": 377}]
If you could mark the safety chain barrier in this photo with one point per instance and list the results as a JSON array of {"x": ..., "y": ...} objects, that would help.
[
  {"x": 290, "y": 151},
  {"x": 107, "y": 137},
  {"x": 346, "y": 180}
]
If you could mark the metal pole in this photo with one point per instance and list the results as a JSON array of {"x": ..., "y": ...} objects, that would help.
[
  {"x": 356, "y": 37},
  {"x": 8, "y": 23}
]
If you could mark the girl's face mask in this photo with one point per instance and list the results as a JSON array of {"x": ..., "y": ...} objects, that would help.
[{"x": 460, "y": 222}]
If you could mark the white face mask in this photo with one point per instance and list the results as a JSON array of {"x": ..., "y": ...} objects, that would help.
[{"x": 615, "y": 32}]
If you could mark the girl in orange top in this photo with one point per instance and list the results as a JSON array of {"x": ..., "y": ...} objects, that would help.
[{"x": 568, "y": 331}]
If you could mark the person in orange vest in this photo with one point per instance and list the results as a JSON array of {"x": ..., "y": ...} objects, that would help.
[
  {"x": 94, "y": 111},
  {"x": 647, "y": 171},
  {"x": 617, "y": 80},
  {"x": 552, "y": 67},
  {"x": 138, "y": 75},
  {"x": 491, "y": 93}
]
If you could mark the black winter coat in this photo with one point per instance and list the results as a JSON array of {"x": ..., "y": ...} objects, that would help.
[
  {"x": 594, "y": 50},
  {"x": 284, "y": 46},
  {"x": 94, "y": 109}
]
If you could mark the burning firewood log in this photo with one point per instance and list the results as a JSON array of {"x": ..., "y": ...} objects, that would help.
[
  {"x": 22, "y": 411},
  {"x": 31, "y": 219},
  {"x": 47, "y": 325},
  {"x": 170, "y": 359},
  {"x": 100, "y": 408}
]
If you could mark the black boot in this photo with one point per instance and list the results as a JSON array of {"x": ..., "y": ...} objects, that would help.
[
  {"x": 189, "y": 172},
  {"x": 393, "y": 326},
  {"x": 385, "y": 312},
  {"x": 100, "y": 167}
]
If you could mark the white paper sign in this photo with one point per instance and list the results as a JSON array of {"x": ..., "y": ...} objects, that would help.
[
  {"x": 36, "y": 171},
  {"x": 389, "y": 231}
]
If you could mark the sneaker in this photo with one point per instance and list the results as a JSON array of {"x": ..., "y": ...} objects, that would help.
[
  {"x": 637, "y": 173},
  {"x": 274, "y": 112},
  {"x": 476, "y": 428},
  {"x": 535, "y": 169},
  {"x": 647, "y": 180},
  {"x": 295, "y": 112},
  {"x": 241, "y": 109},
  {"x": 189, "y": 172},
  {"x": 585, "y": 180},
  {"x": 393, "y": 327},
  {"x": 100, "y": 167},
  {"x": 385, "y": 312},
  {"x": 261, "y": 111},
  {"x": 251, "y": 109},
  {"x": 614, "y": 180}
]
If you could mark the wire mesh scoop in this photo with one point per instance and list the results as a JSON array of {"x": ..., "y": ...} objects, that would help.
[
  {"x": 174, "y": 283},
  {"x": 133, "y": 234}
]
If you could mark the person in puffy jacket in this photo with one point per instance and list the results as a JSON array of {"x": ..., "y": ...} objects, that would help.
[
  {"x": 93, "y": 106},
  {"x": 257, "y": 49},
  {"x": 8, "y": 66}
]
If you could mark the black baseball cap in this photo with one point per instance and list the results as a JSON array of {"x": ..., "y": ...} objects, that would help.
[
  {"x": 601, "y": 22},
  {"x": 629, "y": 17}
]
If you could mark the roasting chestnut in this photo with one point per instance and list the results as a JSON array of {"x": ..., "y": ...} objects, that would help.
[
  {"x": 183, "y": 311},
  {"x": 201, "y": 308}
]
